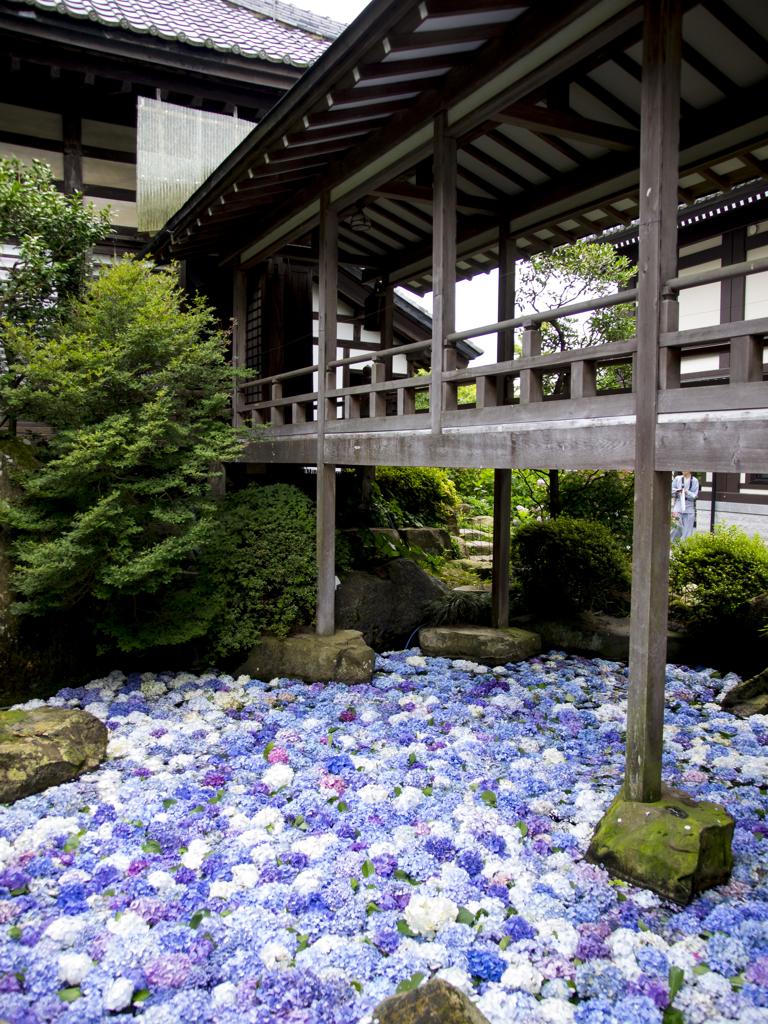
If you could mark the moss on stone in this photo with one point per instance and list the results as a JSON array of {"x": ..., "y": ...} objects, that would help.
[{"x": 677, "y": 846}]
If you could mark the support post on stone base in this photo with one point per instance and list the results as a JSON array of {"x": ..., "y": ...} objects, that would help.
[
  {"x": 653, "y": 836},
  {"x": 328, "y": 272},
  {"x": 502, "y": 478}
]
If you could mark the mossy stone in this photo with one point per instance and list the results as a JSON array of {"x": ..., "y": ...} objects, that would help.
[
  {"x": 433, "y": 1002},
  {"x": 676, "y": 847},
  {"x": 45, "y": 747}
]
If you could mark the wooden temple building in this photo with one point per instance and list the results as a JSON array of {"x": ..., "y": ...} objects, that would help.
[
  {"x": 73, "y": 71},
  {"x": 466, "y": 134}
]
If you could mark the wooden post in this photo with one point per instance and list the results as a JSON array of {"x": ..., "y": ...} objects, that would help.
[
  {"x": 240, "y": 317},
  {"x": 73, "y": 153},
  {"x": 326, "y": 475},
  {"x": 443, "y": 262},
  {"x": 502, "y": 478},
  {"x": 659, "y": 157},
  {"x": 583, "y": 379},
  {"x": 531, "y": 389},
  {"x": 388, "y": 327},
  {"x": 505, "y": 340}
]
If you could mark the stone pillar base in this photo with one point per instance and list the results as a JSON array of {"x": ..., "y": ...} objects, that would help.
[{"x": 676, "y": 847}]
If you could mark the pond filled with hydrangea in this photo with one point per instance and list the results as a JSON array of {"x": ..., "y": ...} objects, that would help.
[{"x": 284, "y": 852}]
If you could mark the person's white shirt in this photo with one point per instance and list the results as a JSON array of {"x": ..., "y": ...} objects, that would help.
[{"x": 688, "y": 489}]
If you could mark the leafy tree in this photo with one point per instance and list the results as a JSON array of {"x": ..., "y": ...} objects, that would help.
[
  {"x": 135, "y": 388},
  {"x": 572, "y": 273},
  {"x": 53, "y": 234}
]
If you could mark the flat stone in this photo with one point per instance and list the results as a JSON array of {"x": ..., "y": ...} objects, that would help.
[
  {"x": 602, "y": 636},
  {"x": 677, "y": 847},
  {"x": 45, "y": 747},
  {"x": 433, "y": 1002},
  {"x": 342, "y": 658},
  {"x": 482, "y": 644},
  {"x": 480, "y": 547},
  {"x": 481, "y": 566},
  {"x": 482, "y": 521},
  {"x": 431, "y": 540},
  {"x": 475, "y": 535},
  {"x": 475, "y": 588}
]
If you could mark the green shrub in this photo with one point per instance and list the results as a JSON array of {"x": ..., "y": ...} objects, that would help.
[
  {"x": 568, "y": 564},
  {"x": 416, "y": 497},
  {"x": 713, "y": 575},
  {"x": 260, "y": 565}
]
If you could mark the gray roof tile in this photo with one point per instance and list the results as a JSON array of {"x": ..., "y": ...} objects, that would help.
[{"x": 245, "y": 27}]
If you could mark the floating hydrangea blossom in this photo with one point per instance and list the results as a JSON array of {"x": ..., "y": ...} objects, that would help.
[{"x": 255, "y": 853}]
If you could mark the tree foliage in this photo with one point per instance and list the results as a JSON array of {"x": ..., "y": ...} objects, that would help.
[
  {"x": 135, "y": 388},
  {"x": 572, "y": 273},
  {"x": 52, "y": 234}
]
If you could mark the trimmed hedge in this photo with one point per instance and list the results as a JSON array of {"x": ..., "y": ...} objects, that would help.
[{"x": 568, "y": 565}]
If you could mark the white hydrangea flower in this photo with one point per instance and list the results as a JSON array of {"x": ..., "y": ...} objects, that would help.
[
  {"x": 372, "y": 794},
  {"x": 308, "y": 881},
  {"x": 277, "y": 776},
  {"x": 65, "y": 930},
  {"x": 459, "y": 978},
  {"x": 409, "y": 798},
  {"x": 415, "y": 661},
  {"x": 269, "y": 817},
  {"x": 153, "y": 688},
  {"x": 162, "y": 881},
  {"x": 195, "y": 854},
  {"x": 245, "y": 876},
  {"x": 426, "y": 915},
  {"x": 222, "y": 890},
  {"x": 523, "y": 976},
  {"x": 130, "y": 924},
  {"x": 275, "y": 956},
  {"x": 224, "y": 994},
  {"x": 73, "y": 967},
  {"x": 314, "y": 846},
  {"x": 553, "y": 756},
  {"x": 119, "y": 994}
]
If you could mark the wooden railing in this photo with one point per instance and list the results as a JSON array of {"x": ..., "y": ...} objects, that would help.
[{"x": 495, "y": 402}]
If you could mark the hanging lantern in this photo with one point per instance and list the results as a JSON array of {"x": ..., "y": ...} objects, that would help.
[{"x": 359, "y": 223}]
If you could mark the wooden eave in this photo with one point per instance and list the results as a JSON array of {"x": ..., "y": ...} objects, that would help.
[{"x": 543, "y": 100}]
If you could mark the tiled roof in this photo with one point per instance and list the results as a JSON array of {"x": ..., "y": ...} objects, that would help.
[{"x": 268, "y": 29}]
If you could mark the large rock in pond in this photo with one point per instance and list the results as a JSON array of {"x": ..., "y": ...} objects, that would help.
[
  {"x": 748, "y": 698},
  {"x": 341, "y": 658},
  {"x": 677, "y": 847},
  {"x": 45, "y": 747},
  {"x": 388, "y": 606},
  {"x": 431, "y": 540},
  {"x": 433, "y": 1002},
  {"x": 482, "y": 644}
]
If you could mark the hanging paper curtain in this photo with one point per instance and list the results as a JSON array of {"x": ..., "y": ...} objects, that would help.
[{"x": 176, "y": 149}]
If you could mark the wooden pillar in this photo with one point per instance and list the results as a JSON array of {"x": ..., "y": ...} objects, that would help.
[
  {"x": 443, "y": 263},
  {"x": 505, "y": 340},
  {"x": 240, "y": 318},
  {"x": 73, "y": 153},
  {"x": 388, "y": 327},
  {"x": 326, "y": 475},
  {"x": 502, "y": 478},
  {"x": 657, "y": 262}
]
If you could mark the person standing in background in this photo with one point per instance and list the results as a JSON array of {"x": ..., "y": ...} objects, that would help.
[{"x": 685, "y": 489}]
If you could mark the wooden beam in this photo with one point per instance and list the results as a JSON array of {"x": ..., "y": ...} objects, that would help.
[
  {"x": 326, "y": 409},
  {"x": 567, "y": 125},
  {"x": 446, "y": 37},
  {"x": 743, "y": 31},
  {"x": 659, "y": 159},
  {"x": 443, "y": 263}
]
